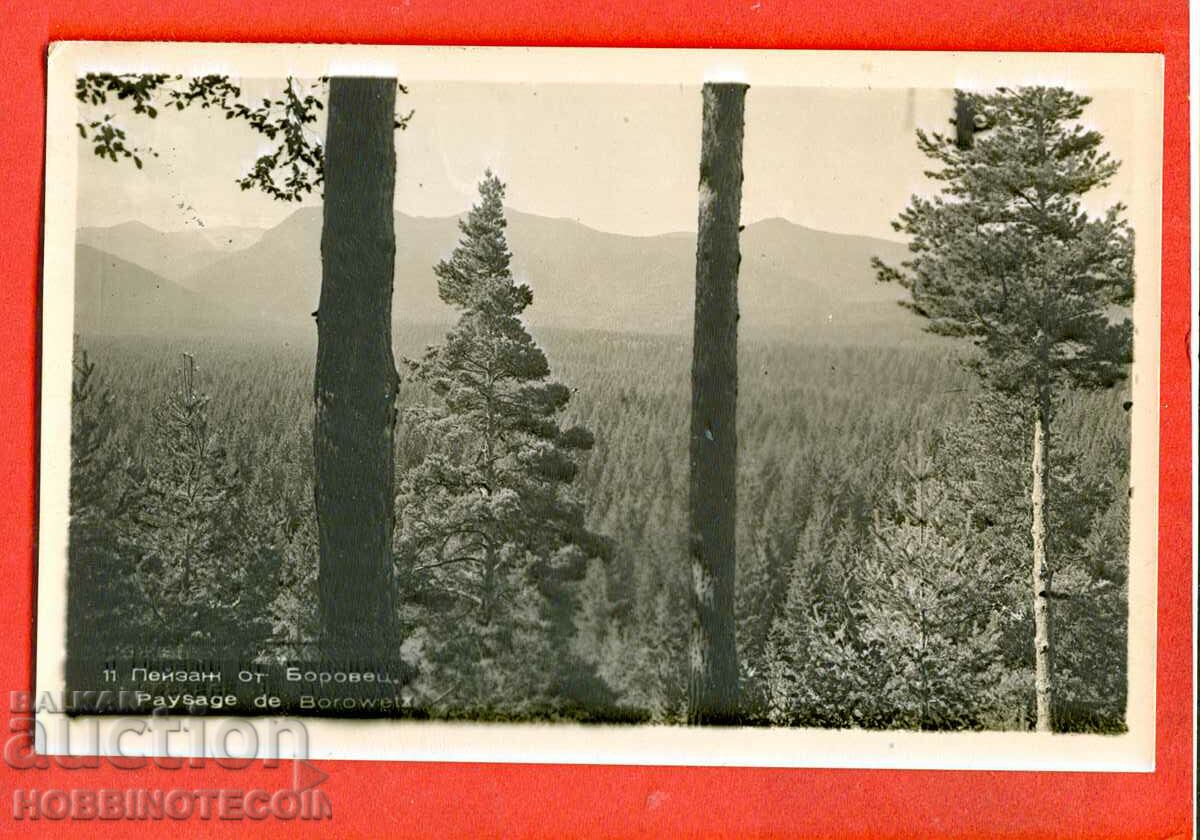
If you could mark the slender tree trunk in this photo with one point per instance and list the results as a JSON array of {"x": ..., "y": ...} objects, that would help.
[
  {"x": 1041, "y": 575},
  {"x": 712, "y": 492},
  {"x": 356, "y": 380}
]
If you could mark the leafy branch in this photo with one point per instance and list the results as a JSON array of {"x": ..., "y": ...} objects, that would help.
[{"x": 292, "y": 169}]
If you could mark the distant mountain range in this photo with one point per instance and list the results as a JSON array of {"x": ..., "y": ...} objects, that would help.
[
  {"x": 169, "y": 254},
  {"x": 116, "y": 297},
  {"x": 795, "y": 282}
]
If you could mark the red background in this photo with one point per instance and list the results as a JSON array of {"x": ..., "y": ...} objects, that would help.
[{"x": 377, "y": 799}]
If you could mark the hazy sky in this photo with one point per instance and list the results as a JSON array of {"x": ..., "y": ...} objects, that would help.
[{"x": 618, "y": 158}]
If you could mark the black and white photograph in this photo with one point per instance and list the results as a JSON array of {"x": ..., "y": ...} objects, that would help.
[{"x": 612, "y": 391}]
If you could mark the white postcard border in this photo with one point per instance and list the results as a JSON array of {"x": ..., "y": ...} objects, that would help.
[{"x": 641, "y": 745}]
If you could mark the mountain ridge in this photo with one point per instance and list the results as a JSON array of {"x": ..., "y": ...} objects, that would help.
[
  {"x": 115, "y": 296},
  {"x": 169, "y": 254},
  {"x": 795, "y": 281}
]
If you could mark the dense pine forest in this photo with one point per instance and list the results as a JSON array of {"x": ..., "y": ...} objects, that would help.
[
  {"x": 894, "y": 529},
  {"x": 857, "y": 461}
]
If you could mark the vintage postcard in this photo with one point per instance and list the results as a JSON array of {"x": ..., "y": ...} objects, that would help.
[{"x": 621, "y": 406}]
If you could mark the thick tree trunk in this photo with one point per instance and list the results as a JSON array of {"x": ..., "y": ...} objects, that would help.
[
  {"x": 356, "y": 380},
  {"x": 712, "y": 496},
  {"x": 1041, "y": 575}
]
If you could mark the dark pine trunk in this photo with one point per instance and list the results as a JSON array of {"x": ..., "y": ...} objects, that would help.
[
  {"x": 356, "y": 380},
  {"x": 712, "y": 494}
]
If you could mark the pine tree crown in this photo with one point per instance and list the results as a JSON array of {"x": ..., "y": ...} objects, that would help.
[
  {"x": 478, "y": 273},
  {"x": 1006, "y": 254}
]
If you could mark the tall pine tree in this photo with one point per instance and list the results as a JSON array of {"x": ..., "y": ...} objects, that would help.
[
  {"x": 1006, "y": 254},
  {"x": 713, "y": 695},
  {"x": 491, "y": 541}
]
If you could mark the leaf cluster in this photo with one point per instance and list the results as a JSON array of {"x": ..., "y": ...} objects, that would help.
[{"x": 293, "y": 168}]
